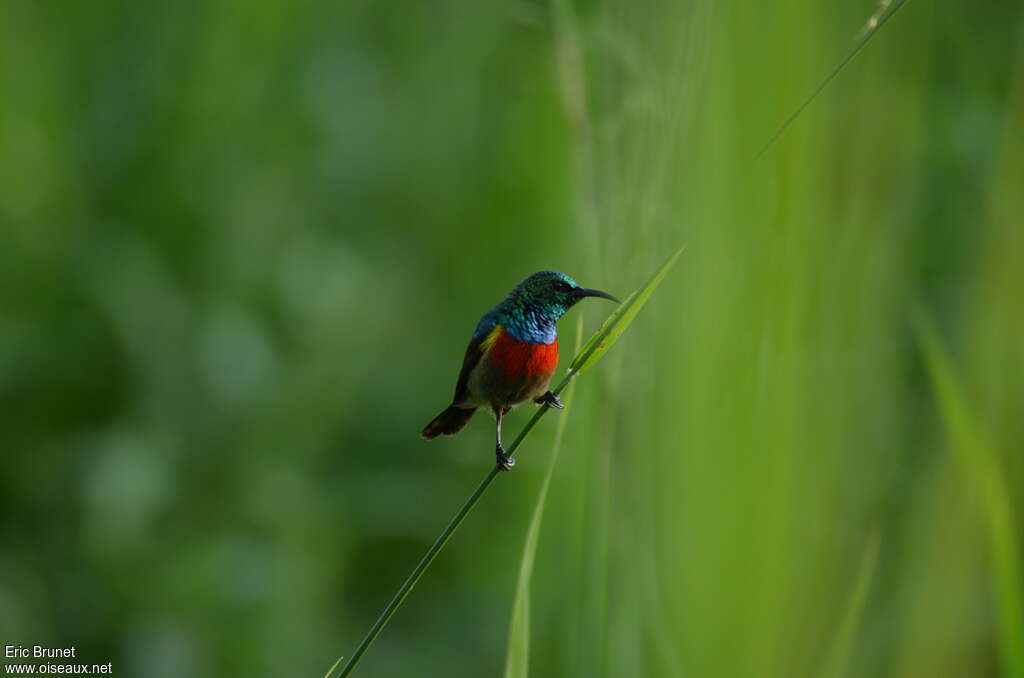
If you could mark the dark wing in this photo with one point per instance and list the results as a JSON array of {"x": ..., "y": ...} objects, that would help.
[{"x": 472, "y": 357}]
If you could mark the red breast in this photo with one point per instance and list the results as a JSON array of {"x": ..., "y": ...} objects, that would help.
[{"x": 522, "y": 358}]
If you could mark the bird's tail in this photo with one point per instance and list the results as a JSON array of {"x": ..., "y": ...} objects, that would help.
[{"x": 448, "y": 422}]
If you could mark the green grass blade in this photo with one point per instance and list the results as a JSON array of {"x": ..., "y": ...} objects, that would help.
[
  {"x": 334, "y": 666},
  {"x": 842, "y": 646},
  {"x": 517, "y": 660},
  {"x": 874, "y": 25},
  {"x": 980, "y": 464},
  {"x": 620, "y": 319}
]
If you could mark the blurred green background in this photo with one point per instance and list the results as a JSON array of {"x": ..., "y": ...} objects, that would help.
[{"x": 244, "y": 244}]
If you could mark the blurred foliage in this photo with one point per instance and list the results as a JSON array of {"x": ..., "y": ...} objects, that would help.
[{"x": 243, "y": 245}]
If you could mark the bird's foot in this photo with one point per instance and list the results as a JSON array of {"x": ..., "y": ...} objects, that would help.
[
  {"x": 551, "y": 399},
  {"x": 505, "y": 462}
]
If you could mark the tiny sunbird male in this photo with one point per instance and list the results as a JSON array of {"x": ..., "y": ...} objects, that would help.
[{"x": 512, "y": 355}]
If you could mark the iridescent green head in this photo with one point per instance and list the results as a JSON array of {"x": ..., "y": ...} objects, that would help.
[{"x": 530, "y": 311}]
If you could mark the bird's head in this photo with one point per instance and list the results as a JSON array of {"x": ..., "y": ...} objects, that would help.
[{"x": 551, "y": 294}]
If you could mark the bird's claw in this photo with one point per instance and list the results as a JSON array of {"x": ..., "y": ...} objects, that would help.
[
  {"x": 551, "y": 399},
  {"x": 505, "y": 462}
]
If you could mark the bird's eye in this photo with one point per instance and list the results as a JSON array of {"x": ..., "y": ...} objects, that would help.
[{"x": 562, "y": 286}]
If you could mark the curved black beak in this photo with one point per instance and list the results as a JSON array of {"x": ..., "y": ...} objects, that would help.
[{"x": 581, "y": 292}]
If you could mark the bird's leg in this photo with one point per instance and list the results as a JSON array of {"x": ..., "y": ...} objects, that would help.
[
  {"x": 505, "y": 462},
  {"x": 551, "y": 399}
]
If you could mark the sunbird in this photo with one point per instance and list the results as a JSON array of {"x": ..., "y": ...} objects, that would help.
[{"x": 511, "y": 356}]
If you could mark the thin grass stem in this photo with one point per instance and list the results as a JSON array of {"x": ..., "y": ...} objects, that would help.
[
  {"x": 869, "y": 31},
  {"x": 443, "y": 538}
]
